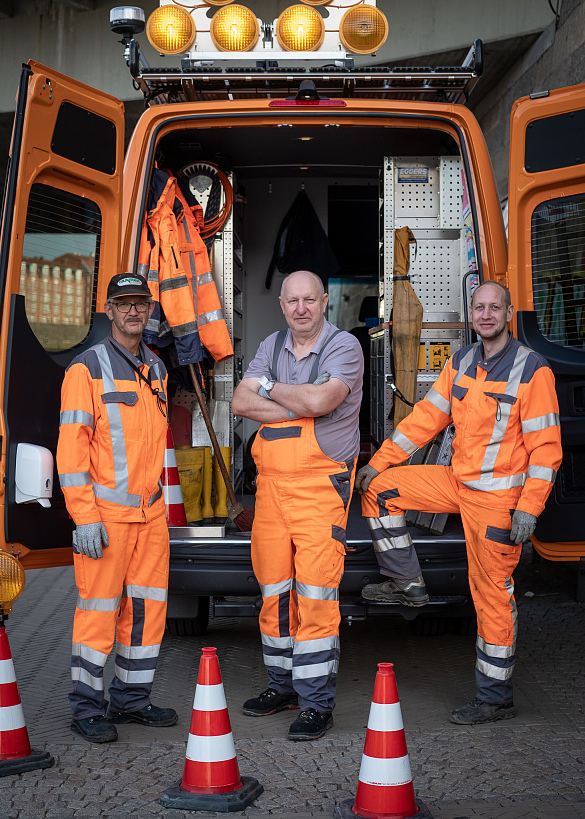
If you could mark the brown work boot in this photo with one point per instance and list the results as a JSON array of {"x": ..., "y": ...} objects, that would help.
[{"x": 408, "y": 591}]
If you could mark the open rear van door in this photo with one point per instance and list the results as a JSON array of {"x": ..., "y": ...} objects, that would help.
[
  {"x": 546, "y": 274},
  {"x": 59, "y": 245}
]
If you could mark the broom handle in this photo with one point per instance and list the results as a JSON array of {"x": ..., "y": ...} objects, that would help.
[{"x": 211, "y": 431}]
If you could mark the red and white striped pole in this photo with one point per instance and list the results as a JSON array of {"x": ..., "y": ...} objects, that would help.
[
  {"x": 385, "y": 789},
  {"x": 211, "y": 777},
  {"x": 16, "y": 754}
]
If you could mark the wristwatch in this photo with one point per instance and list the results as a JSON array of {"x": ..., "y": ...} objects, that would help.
[{"x": 265, "y": 386}]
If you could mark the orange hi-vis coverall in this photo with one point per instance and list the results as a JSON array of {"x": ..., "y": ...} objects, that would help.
[
  {"x": 505, "y": 454},
  {"x": 174, "y": 260},
  {"x": 110, "y": 456},
  {"x": 298, "y": 535}
]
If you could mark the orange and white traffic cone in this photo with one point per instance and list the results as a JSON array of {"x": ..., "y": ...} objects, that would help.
[
  {"x": 174, "y": 507},
  {"x": 385, "y": 789},
  {"x": 211, "y": 778},
  {"x": 16, "y": 755}
]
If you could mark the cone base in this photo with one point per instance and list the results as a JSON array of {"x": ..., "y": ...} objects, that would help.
[
  {"x": 35, "y": 760},
  {"x": 223, "y": 802},
  {"x": 344, "y": 811}
]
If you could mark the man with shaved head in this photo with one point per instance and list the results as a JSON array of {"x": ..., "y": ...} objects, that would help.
[
  {"x": 500, "y": 397},
  {"x": 304, "y": 386}
]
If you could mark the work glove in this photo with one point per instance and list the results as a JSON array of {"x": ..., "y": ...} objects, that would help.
[
  {"x": 364, "y": 478},
  {"x": 89, "y": 538},
  {"x": 523, "y": 525}
]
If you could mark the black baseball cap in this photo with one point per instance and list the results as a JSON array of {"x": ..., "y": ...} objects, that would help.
[{"x": 127, "y": 284}]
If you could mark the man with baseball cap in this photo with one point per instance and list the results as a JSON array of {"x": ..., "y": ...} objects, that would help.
[{"x": 110, "y": 455}]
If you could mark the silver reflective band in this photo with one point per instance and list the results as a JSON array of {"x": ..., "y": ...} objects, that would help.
[
  {"x": 182, "y": 330},
  {"x": 69, "y": 479},
  {"x": 173, "y": 284},
  {"x": 386, "y": 522},
  {"x": 487, "y": 484},
  {"x": 494, "y": 671},
  {"x": 92, "y": 655},
  {"x": 204, "y": 278},
  {"x": 137, "y": 652},
  {"x": 207, "y": 318},
  {"x": 501, "y": 652},
  {"x": 438, "y": 401},
  {"x": 77, "y": 417},
  {"x": 313, "y": 646},
  {"x": 134, "y": 676},
  {"x": 277, "y": 642},
  {"x": 99, "y": 603},
  {"x": 145, "y": 593},
  {"x": 83, "y": 676},
  {"x": 544, "y": 473},
  {"x": 386, "y": 544},
  {"x": 317, "y": 592},
  {"x": 278, "y": 662},
  {"x": 551, "y": 419},
  {"x": 272, "y": 589},
  {"x": 304, "y": 672},
  {"x": 114, "y": 495},
  {"x": 403, "y": 442}
]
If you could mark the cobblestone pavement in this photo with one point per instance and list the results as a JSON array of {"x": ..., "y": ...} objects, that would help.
[{"x": 531, "y": 766}]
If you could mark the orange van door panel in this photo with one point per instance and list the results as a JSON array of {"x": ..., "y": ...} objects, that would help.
[
  {"x": 59, "y": 246},
  {"x": 546, "y": 274}
]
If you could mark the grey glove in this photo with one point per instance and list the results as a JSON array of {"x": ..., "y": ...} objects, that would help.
[
  {"x": 364, "y": 477},
  {"x": 89, "y": 539},
  {"x": 523, "y": 525},
  {"x": 323, "y": 379}
]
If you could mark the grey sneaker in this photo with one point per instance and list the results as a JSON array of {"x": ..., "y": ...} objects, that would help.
[
  {"x": 410, "y": 591},
  {"x": 478, "y": 712}
]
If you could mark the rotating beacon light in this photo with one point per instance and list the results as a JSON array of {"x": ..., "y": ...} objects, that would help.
[
  {"x": 12, "y": 580},
  {"x": 363, "y": 29},
  {"x": 234, "y": 28},
  {"x": 171, "y": 29}
]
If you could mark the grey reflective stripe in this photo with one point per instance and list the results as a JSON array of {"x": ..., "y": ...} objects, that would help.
[
  {"x": 403, "y": 442},
  {"x": 438, "y": 401},
  {"x": 152, "y": 325},
  {"x": 489, "y": 484},
  {"x": 143, "y": 270},
  {"x": 173, "y": 284},
  {"x": 152, "y": 276},
  {"x": 317, "y": 592},
  {"x": 464, "y": 363},
  {"x": 68, "y": 479},
  {"x": 543, "y": 473},
  {"x": 182, "y": 330},
  {"x": 86, "y": 653},
  {"x": 114, "y": 414},
  {"x": 99, "y": 603},
  {"x": 494, "y": 671},
  {"x": 272, "y": 589},
  {"x": 82, "y": 675},
  {"x": 191, "y": 265},
  {"x": 77, "y": 417},
  {"x": 115, "y": 496},
  {"x": 137, "y": 652},
  {"x": 134, "y": 677},
  {"x": 312, "y": 646},
  {"x": 279, "y": 662},
  {"x": 500, "y": 652},
  {"x": 207, "y": 318},
  {"x": 156, "y": 496},
  {"x": 385, "y": 544},
  {"x": 551, "y": 419},
  {"x": 204, "y": 278},
  {"x": 304, "y": 672},
  {"x": 145, "y": 593},
  {"x": 278, "y": 642},
  {"x": 387, "y": 522}
]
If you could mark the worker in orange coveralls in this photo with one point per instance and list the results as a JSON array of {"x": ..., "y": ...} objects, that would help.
[
  {"x": 305, "y": 387},
  {"x": 110, "y": 457},
  {"x": 500, "y": 396}
]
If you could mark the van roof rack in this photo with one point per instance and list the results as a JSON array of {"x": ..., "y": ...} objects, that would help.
[{"x": 201, "y": 81}]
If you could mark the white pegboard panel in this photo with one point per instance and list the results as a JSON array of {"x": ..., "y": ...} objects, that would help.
[
  {"x": 435, "y": 275},
  {"x": 417, "y": 203},
  {"x": 451, "y": 192}
]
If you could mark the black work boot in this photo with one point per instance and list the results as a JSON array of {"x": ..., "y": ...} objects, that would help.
[
  {"x": 408, "y": 591},
  {"x": 478, "y": 712},
  {"x": 151, "y": 715},
  {"x": 95, "y": 729},
  {"x": 310, "y": 724},
  {"x": 269, "y": 702}
]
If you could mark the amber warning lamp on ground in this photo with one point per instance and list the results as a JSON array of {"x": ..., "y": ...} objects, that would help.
[{"x": 12, "y": 580}]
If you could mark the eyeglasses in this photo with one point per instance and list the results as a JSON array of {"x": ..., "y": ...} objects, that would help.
[{"x": 126, "y": 306}]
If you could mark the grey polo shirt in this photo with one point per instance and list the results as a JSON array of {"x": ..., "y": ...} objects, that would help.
[{"x": 337, "y": 432}]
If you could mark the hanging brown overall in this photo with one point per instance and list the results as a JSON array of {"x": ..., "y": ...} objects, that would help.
[{"x": 407, "y": 315}]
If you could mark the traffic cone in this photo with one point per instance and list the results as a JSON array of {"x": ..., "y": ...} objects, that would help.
[
  {"x": 211, "y": 778},
  {"x": 16, "y": 755},
  {"x": 385, "y": 789},
  {"x": 174, "y": 508}
]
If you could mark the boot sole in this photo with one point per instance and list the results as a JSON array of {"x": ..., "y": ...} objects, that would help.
[
  {"x": 98, "y": 740},
  {"x": 248, "y": 713},
  {"x": 495, "y": 718},
  {"x": 395, "y": 598}
]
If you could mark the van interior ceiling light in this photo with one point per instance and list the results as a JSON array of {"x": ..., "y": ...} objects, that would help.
[
  {"x": 363, "y": 29},
  {"x": 234, "y": 28},
  {"x": 300, "y": 28},
  {"x": 12, "y": 580},
  {"x": 171, "y": 30},
  {"x": 127, "y": 21}
]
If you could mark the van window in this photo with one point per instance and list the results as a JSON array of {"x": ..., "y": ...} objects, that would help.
[
  {"x": 59, "y": 266},
  {"x": 558, "y": 269}
]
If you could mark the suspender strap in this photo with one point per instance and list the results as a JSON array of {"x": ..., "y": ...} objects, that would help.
[
  {"x": 315, "y": 368},
  {"x": 277, "y": 349}
]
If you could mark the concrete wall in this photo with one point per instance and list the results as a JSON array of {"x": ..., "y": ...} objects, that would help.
[{"x": 556, "y": 59}]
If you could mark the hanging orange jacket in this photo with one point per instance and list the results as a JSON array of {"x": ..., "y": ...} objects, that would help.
[
  {"x": 174, "y": 260},
  {"x": 506, "y": 418}
]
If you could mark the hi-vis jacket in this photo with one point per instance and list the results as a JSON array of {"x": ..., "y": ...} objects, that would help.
[
  {"x": 112, "y": 435},
  {"x": 174, "y": 261},
  {"x": 507, "y": 428}
]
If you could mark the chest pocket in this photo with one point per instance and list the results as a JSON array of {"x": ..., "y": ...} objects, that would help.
[{"x": 501, "y": 398}]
